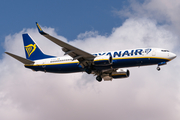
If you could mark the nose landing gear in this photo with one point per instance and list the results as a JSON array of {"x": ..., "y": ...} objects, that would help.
[
  {"x": 160, "y": 64},
  {"x": 158, "y": 68}
]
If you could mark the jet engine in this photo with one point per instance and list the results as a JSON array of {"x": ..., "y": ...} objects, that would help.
[
  {"x": 120, "y": 73},
  {"x": 103, "y": 60}
]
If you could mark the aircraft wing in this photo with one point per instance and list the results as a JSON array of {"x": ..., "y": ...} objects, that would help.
[{"x": 83, "y": 57}]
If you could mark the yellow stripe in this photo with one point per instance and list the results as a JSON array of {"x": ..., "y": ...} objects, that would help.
[
  {"x": 55, "y": 63},
  {"x": 51, "y": 64},
  {"x": 39, "y": 27},
  {"x": 102, "y": 59},
  {"x": 96, "y": 60}
]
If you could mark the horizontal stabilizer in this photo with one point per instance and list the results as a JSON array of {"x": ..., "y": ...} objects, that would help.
[{"x": 21, "y": 59}]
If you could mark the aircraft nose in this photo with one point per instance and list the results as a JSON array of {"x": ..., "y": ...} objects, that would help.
[{"x": 172, "y": 56}]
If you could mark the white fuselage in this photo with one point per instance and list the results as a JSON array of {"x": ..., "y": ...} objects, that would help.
[{"x": 121, "y": 59}]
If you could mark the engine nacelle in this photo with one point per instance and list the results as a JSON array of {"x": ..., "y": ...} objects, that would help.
[
  {"x": 120, "y": 73},
  {"x": 103, "y": 60}
]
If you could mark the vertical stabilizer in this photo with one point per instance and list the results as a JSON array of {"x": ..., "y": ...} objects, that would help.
[{"x": 32, "y": 51}]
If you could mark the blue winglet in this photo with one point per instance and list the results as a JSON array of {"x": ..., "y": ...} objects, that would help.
[{"x": 40, "y": 30}]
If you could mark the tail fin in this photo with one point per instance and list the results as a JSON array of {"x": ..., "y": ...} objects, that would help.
[{"x": 32, "y": 51}]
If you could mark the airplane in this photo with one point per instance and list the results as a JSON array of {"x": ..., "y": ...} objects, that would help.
[{"x": 104, "y": 65}]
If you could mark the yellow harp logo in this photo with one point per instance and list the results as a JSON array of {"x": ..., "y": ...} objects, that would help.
[{"x": 30, "y": 49}]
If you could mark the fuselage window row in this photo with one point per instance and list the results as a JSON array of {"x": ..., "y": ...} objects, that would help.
[{"x": 61, "y": 60}]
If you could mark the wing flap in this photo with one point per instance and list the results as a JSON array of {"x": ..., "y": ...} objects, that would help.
[{"x": 21, "y": 59}]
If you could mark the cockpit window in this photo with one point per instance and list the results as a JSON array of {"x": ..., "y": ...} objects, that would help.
[{"x": 165, "y": 50}]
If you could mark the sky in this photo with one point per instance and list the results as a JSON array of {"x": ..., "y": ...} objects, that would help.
[
  {"x": 68, "y": 17},
  {"x": 92, "y": 26}
]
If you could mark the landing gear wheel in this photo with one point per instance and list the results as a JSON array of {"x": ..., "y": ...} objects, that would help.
[
  {"x": 88, "y": 71},
  {"x": 99, "y": 78},
  {"x": 158, "y": 68}
]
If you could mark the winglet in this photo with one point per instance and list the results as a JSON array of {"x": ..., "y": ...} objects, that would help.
[{"x": 40, "y": 30}]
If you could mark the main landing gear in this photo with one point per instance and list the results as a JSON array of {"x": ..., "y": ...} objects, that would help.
[
  {"x": 99, "y": 78},
  {"x": 88, "y": 70}
]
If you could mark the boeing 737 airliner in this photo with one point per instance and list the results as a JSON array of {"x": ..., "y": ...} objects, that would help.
[{"x": 106, "y": 65}]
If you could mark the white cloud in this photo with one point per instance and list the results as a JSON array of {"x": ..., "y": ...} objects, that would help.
[
  {"x": 163, "y": 11},
  {"x": 158, "y": 9},
  {"x": 147, "y": 94}
]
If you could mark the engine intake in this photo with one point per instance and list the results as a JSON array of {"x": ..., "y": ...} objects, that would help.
[{"x": 103, "y": 60}]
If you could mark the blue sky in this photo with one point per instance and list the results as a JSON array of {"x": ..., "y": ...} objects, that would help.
[{"x": 68, "y": 17}]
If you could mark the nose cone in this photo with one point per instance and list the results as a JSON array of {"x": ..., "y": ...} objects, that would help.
[{"x": 172, "y": 56}]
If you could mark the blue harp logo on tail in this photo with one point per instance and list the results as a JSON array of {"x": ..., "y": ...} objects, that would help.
[{"x": 30, "y": 49}]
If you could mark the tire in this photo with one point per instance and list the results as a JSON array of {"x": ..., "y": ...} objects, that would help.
[
  {"x": 158, "y": 68},
  {"x": 99, "y": 78},
  {"x": 88, "y": 71}
]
